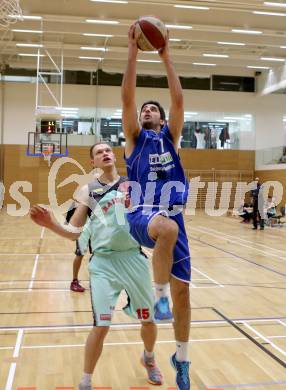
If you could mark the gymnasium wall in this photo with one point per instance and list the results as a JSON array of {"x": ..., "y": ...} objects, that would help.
[
  {"x": 268, "y": 111},
  {"x": 230, "y": 166}
]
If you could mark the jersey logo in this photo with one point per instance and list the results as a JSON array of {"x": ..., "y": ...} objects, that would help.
[{"x": 163, "y": 159}]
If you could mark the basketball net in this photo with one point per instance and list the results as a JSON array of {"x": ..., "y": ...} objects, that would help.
[
  {"x": 8, "y": 9},
  {"x": 47, "y": 153}
]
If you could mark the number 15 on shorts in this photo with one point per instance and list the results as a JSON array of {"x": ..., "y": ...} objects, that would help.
[{"x": 143, "y": 314}]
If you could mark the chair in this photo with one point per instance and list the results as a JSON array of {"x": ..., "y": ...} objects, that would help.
[{"x": 277, "y": 218}]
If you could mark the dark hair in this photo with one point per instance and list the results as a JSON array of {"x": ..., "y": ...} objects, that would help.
[
  {"x": 161, "y": 109},
  {"x": 97, "y": 143}
]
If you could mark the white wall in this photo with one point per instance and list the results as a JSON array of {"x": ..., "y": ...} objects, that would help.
[{"x": 268, "y": 111}]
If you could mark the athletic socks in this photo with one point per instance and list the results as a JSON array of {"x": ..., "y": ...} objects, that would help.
[
  {"x": 182, "y": 350},
  {"x": 86, "y": 379},
  {"x": 161, "y": 290},
  {"x": 148, "y": 355}
]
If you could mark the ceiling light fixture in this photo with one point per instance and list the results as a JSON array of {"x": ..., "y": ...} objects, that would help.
[
  {"x": 101, "y": 21},
  {"x": 192, "y": 7},
  {"x": 216, "y": 55},
  {"x": 273, "y": 59},
  {"x": 178, "y": 27},
  {"x": 268, "y": 13},
  {"x": 111, "y": 1},
  {"x": 97, "y": 35},
  {"x": 28, "y": 45},
  {"x": 148, "y": 61},
  {"x": 30, "y": 55},
  {"x": 232, "y": 43},
  {"x": 203, "y": 64},
  {"x": 257, "y": 67},
  {"x": 93, "y": 48},
  {"x": 90, "y": 58},
  {"x": 28, "y": 31},
  {"x": 271, "y": 4},
  {"x": 25, "y": 17},
  {"x": 241, "y": 31}
]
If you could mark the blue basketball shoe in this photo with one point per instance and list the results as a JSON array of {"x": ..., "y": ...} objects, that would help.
[
  {"x": 162, "y": 310},
  {"x": 183, "y": 376}
]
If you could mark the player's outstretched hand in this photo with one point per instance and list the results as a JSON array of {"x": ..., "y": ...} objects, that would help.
[
  {"x": 132, "y": 43},
  {"x": 41, "y": 216},
  {"x": 164, "y": 52}
]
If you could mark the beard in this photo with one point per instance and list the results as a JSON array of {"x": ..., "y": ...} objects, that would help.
[{"x": 148, "y": 124}]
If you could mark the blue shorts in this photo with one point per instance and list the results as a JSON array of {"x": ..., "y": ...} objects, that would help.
[{"x": 139, "y": 221}]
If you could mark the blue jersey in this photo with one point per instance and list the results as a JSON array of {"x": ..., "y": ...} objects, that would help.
[{"x": 156, "y": 166}]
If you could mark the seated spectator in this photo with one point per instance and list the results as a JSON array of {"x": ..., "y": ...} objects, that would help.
[
  {"x": 269, "y": 207},
  {"x": 246, "y": 212}
]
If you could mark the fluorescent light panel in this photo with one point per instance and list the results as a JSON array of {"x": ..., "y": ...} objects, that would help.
[
  {"x": 30, "y": 55},
  {"x": 111, "y": 1},
  {"x": 216, "y": 55},
  {"x": 241, "y": 31},
  {"x": 90, "y": 58},
  {"x": 97, "y": 35},
  {"x": 174, "y": 40},
  {"x": 273, "y": 59},
  {"x": 101, "y": 21},
  {"x": 148, "y": 61},
  {"x": 192, "y": 7},
  {"x": 178, "y": 27},
  {"x": 28, "y": 31},
  {"x": 25, "y": 17},
  {"x": 257, "y": 67},
  {"x": 28, "y": 45},
  {"x": 232, "y": 43},
  {"x": 203, "y": 64},
  {"x": 268, "y": 13},
  {"x": 272, "y": 4},
  {"x": 93, "y": 48}
]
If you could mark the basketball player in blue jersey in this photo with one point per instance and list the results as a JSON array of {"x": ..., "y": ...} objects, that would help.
[
  {"x": 152, "y": 160},
  {"x": 117, "y": 262}
]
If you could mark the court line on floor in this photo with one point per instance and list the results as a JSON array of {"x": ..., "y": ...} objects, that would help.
[
  {"x": 19, "y": 340},
  {"x": 265, "y": 339},
  {"x": 124, "y": 343},
  {"x": 11, "y": 374},
  {"x": 236, "y": 239},
  {"x": 251, "y": 338},
  {"x": 137, "y": 325},
  {"x": 36, "y": 260},
  {"x": 243, "y": 239},
  {"x": 239, "y": 257},
  {"x": 208, "y": 277},
  {"x": 245, "y": 385}
]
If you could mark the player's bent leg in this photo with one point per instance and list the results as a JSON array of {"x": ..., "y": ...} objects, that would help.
[
  {"x": 149, "y": 335},
  {"x": 182, "y": 318},
  {"x": 93, "y": 350},
  {"x": 165, "y": 232}
]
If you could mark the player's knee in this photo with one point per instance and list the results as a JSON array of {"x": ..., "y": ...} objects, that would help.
[{"x": 168, "y": 229}]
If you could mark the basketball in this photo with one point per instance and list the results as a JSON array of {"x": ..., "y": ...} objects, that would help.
[{"x": 150, "y": 33}]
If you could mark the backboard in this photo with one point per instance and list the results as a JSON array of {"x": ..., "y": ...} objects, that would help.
[{"x": 47, "y": 145}]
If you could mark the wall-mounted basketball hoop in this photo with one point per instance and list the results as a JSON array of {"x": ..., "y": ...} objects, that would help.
[{"x": 47, "y": 145}]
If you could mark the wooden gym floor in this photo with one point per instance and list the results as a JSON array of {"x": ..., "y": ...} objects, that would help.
[{"x": 238, "y": 296}]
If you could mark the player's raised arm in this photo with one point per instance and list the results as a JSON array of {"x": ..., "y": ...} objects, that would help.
[
  {"x": 129, "y": 111},
  {"x": 176, "y": 114}
]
